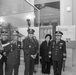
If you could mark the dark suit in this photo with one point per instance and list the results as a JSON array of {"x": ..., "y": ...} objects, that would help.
[
  {"x": 13, "y": 57},
  {"x": 45, "y": 60},
  {"x": 58, "y": 54},
  {"x": 30, "y": 47}
]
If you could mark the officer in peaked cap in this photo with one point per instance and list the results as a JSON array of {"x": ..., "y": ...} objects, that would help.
[
  {"x": 30, "y": 48},
  {"x": 15, "y": 33},
  {"x": 13, "y": 55},
  {"x": 58, "y": 51},
  {"x": 1, "y": 56},
  {"x": 58, "y": 33},
  {"x": 30, "y": 31}
]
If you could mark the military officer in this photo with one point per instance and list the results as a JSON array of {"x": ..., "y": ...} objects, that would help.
[
  {"x": 58, "y": 51},
  {"x": 1, "y": 57},
  {"x": 13, "y": 55},
  {"x": 4, "y": 41},
  {"x": 30, "y": 47},
  {"x": 4, "y": 55}
]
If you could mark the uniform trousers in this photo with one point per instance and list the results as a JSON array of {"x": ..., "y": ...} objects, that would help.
[
  {"x": 5, "y": 62},
  {"x": 2, "y": 61},
  {"x": 1, "y": 67},
  {"x": 29, "y": 66},
  {"x": 10, "y": 69},
  {"x": 57, "y": 66}
]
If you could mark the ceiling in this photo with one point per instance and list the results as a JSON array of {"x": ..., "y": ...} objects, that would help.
[
  {"x": 44, "y": 1},
  {"x": 15, "y": 11},
  {"x": 9, "y": 7},
  {"x": 18, "y": 20}
]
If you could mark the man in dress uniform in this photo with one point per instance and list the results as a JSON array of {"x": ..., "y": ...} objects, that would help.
[
  {"x": 58, "y": 51},
  {"x": 1, "y": 57},
  {"x": 13, "y": 55},
  {"x": 4, "y": 40},
  {"x": 30, "y": 48}
]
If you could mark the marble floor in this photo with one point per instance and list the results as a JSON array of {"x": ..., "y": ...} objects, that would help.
[{"x": 68, "y": 70}]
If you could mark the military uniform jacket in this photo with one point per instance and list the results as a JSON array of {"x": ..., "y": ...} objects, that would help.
[
  {"x": 30, "y": 46},
  {"x": 4, "y": 57},
  {"x": 1, "y": 53},
  {"x": 44, "y": 51},
  {"x": 13, "y": 53},
  {"x": 1, "y": 57},
  {"x": 58, "y": 50}
]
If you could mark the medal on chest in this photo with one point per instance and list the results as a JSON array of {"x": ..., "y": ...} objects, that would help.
[
  {"x": 60, "y": 45},
  {"x": 0, "y": 56},
  {"x": 11, "y": 47},
  {"x": 29, "y": 46},
  {"x": 53, "y": 45}
]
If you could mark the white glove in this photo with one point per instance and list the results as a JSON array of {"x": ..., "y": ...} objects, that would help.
[
  {"x": 0, "y": 56},
  {"x": 33, "y": 56},
  {"x": 40, "y": 57},
  {"x": 4, "y": 53},
  {"x": 4, "y": 45}
]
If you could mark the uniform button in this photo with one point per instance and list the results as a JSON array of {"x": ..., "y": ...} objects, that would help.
[
  {"x": 11, "y": 50},
  {"x": 11, "y": 45},
  {"x": 19, "y": 45},
  {"x": 29, "y": 46},
  {"x": 60, "y": 47},
  {"x": 56, "y": 51}
]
